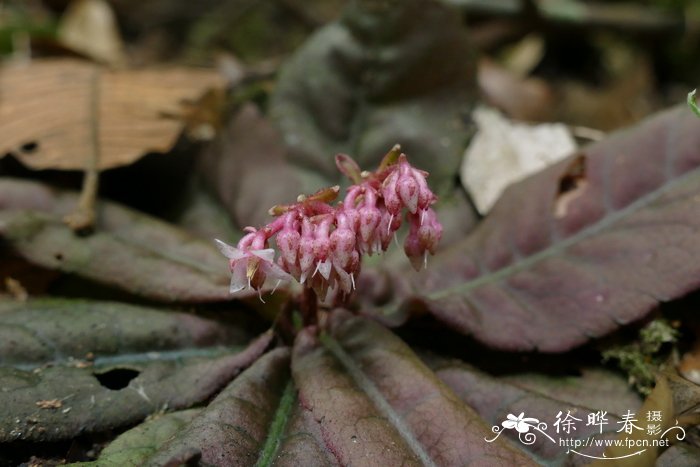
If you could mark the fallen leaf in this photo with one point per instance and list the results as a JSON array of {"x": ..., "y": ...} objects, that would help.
[
  {"x": 49, "y": 404},
  {"x": 15, "y": 289},
  {"x": 571, "y": 185},
  {"x": 519, "y": 97},
  {"x": 686, "y": 396},
  {"x": 84, "y": 108},
  {"x": 129, "y": 250},
  {"x": 504, "y": 152},
  {"x": 378, "y": 404},
  {"x": 144, "y": 360},
  {"x": 395, "y": 72},
  {"x": 660, "y": 400},
  {"x": 90, "y": 27},
  {"x": 525, "y": 280}
]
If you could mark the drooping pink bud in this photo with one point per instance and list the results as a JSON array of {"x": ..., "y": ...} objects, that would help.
[
  {"x": 413, "y": 250},
  {"x": 430, "y": 230},
  {"x": 389, "y": 192},
  {"x": 370, "y": 216},
  {"x": 407, "y": 188},
  {"x": 322, "y": 241},
  {"x": 288, "y": 239},
  {"x": 343, "y": 242},
  {"x": 306, "y": 250}
]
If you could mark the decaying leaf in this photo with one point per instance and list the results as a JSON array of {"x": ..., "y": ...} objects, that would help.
[
  {"x": 518, "y": 96},
  {"x": 572, "y": 183},
  {"x": 384, "y": 73},
  {"x": 54, "y": 114},
  {"x": 378, "y": 404},
  {"x": 526, "y": 279},
  {"x": 49, "y": 404},
  {"x": 503, "y": 152},
  {"x": 130, "y": 250},
  {"x": 142, "y": 360}
]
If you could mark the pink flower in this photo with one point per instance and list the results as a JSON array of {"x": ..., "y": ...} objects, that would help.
[
  {"x": 252, "y": 268},
  {"x": 424, "y": 235},
  {"x": 321, "y": 245}
]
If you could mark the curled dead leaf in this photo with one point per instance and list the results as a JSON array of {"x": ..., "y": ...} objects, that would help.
[{"x": 572, "y": 184}]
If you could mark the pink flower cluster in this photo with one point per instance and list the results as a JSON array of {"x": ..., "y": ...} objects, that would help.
[{"x": 321, "y": 245}]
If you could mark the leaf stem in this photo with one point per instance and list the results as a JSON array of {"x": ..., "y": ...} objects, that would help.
[{"x": 82, "y": 219}]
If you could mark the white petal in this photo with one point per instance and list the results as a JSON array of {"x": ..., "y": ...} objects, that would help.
[
  {"x": 324, "y": 268},
  {"x": 274, "y": 272},
  {"x": 229, "y": 251},
  {"x": 344, "y": 280},
  {"x": 239, "y": 281},
  {"x": 267, "y": 254}
]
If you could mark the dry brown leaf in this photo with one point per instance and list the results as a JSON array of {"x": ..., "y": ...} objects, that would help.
[
  {"x": 641, "y": 450},
  {"x": 49, "y": 404},
  {"x": 90, "y": 27},
  {"x": 521, "y": 98},
  {"x": 16, "y": 290},
  {"x": 53, "y": 111}
]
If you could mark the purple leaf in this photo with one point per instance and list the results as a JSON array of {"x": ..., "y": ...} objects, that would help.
[
  {"x": 248, "y": 169},
  {"x": 581, "y": 248},
  {"x": 594, "y": 388},
  {"x": 679, "y": 455},
  {"x": 129, "y": 250},
  {"x": 376, "y": 403},
  {"x": 255, "y": 420},
  {"x": 494, "y": 400}
]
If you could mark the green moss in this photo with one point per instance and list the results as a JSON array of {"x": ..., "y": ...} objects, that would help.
[{"x": 641, "y": 359}]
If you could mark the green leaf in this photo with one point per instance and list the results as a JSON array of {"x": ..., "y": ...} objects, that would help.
[
  {"x": 135, "y": 446},
  {"x": 129, "y": 250},
  {"x": 71, "y": 367}
]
